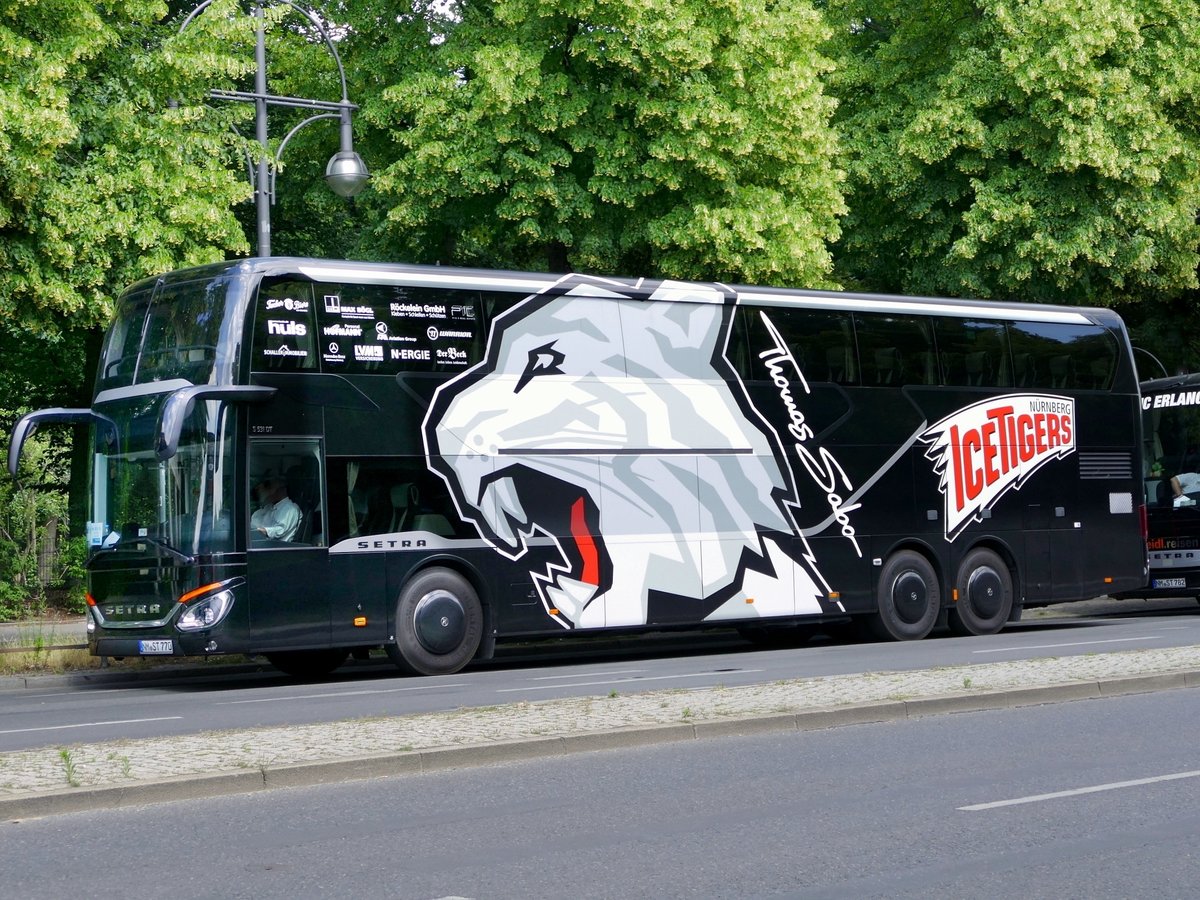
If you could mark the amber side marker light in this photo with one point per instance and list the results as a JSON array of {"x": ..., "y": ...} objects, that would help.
[
  {"x": 198, "y": 591},
  {"x": 360, "y": 621},
  {"x": 1108, "y": 579}
]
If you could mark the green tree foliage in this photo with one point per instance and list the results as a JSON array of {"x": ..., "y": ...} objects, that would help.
[
  {"x": 33, "y": 519},
  {"x": 100, "y": 182},
  {"x": 1043, "y": 149},
  {"x": 687, "y": 138},
  {"x": 103, "y": 180}
]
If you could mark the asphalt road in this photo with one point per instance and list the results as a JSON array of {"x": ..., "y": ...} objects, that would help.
[
  {"x": 60, "y": 714},
  {"x": 1091, "y": 799}
]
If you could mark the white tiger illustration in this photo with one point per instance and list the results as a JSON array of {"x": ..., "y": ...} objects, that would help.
[{"x": 614, "y": 429}]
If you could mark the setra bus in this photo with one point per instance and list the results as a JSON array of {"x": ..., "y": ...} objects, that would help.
[
  {"x": 305, "y": 459},
  {"x": 1171, "y": 455}
]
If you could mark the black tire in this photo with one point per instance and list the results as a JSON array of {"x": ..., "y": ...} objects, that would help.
[
  {"x": 985, "y": 594},
  {"x": 439, "y": 624},
  {"x": 308, "y": 663},
  {"x": 908, "y": 598}
]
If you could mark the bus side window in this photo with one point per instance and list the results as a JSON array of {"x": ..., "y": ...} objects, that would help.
[
  {"x": 285, "y": 329},
  {"x": 973, "y": 353},
  {"x": 894, "y": 350},
  {"x": 386, "y": 496},
  {"x": 820, "y": 342},
  {"x": 292, "y": 468},
  {"x": 1064, "y": 356}
]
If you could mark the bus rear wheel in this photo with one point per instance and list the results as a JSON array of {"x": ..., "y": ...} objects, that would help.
[
  {"x": 439, "y": 624},
  {"x": 907, "y": 600},
  {"x": 308, "y": 663},
  {"x": 985, "y": 594}
]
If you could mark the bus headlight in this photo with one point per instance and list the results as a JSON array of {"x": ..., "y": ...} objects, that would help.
[{"x": 207, "y": 612}]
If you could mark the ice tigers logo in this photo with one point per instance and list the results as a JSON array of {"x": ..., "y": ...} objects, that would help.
[
  {"x": 984, "y": 450},
  {"x": 622, "y": 430}
]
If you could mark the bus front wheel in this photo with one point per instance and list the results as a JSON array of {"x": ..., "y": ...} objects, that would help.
[
  {"x": 985, "y": 594},
  {"x": 908, "y": 598},
  {"x": 439, "y": 624}
]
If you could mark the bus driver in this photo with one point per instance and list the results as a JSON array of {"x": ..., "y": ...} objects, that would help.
[{"x": 278, "y": 516}]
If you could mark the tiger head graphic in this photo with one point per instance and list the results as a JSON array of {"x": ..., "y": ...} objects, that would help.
[{"x": 620, "y": 432}]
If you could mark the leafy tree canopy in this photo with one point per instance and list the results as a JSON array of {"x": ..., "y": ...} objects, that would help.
[
  {"x": 688, "y": 138},
  {"x": 1043, "y": 149},
  {"x": 101, "y": 181}
]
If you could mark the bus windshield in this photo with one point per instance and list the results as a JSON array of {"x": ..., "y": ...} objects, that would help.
[
  {"x": 1172, "y": 433},
  {"x": 172, "y": 331},
  {"x": 178, "y": 507}
]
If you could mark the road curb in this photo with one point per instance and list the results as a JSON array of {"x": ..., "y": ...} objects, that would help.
[{"x": 441, "y": 759}]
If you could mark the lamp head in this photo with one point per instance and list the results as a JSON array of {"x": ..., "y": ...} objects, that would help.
[{"x": 346, "y": 173}]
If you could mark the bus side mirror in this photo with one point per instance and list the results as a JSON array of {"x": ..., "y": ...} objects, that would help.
[
  {"x": 28, "y": 424},
  {"x": 179, "y": 405}
]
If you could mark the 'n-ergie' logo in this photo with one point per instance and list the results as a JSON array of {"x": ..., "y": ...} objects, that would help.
[{"x": 983, "y": 450}]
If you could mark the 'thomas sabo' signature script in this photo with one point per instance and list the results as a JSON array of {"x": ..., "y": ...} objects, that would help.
[{"x": 821, "y": 465}]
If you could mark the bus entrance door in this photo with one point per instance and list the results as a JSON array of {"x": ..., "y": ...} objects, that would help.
[{"x": 289, "y": 598}]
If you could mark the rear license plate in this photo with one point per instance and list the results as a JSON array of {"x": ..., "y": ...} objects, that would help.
[
  {"x": 1168, "y": 583},
  {"x": 151, "y": 647}
]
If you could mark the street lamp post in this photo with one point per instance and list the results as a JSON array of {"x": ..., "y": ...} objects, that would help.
[{"x": 346, "y": 174}]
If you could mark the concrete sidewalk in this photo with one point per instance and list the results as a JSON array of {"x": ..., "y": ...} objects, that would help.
[{"x": 120, "y": 773}]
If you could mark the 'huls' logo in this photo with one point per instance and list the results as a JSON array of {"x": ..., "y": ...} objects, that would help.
[{"x": 983, "y": 450}]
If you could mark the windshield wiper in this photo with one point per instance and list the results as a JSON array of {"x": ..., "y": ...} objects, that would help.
[{"x": 126, "y": 544}]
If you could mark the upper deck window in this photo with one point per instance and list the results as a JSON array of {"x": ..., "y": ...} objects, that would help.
[
  {"x": 366, "y": 329},
  {"x": 158, "y": 335}
]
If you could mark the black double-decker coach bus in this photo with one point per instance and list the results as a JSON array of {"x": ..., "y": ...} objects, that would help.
[{"x": 303, "y": 459}]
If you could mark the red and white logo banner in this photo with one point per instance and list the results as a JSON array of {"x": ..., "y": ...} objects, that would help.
[{"x": 983, "y": 450}]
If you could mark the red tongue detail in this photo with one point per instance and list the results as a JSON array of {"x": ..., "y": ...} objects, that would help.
[{"x": 586, "y": 544}]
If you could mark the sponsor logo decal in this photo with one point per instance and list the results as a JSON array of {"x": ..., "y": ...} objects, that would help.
[
  {"x": 342, "y": 330},
  {"x": 286, "y": 351},
  {"x": 410, "y": 354},
  {"x": 368, "y": 353},
  {"x": 433, "y": 333},
  {"x": 417, "y": 310},
  {"x": 287, "y": 303},
  {"x": 988, "y": 448},
  {"x": 286, "y": 326}
]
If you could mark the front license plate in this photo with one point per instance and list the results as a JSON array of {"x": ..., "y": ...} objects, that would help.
[
  {"x": 1169, "y": 583},
  {"x": 151, "y": 647}
]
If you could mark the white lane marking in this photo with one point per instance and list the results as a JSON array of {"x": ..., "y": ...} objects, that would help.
[
  {"x": 90, "y": 724},
  {"x": 550, "y": 687},
  {"x": 1111, "y": 786},
  {"x": 1149, "y": 637},
  {"x": 423, "y": 687},
  {"x": 86, "y": 692},
  {"x": 587, "y": 675}
]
